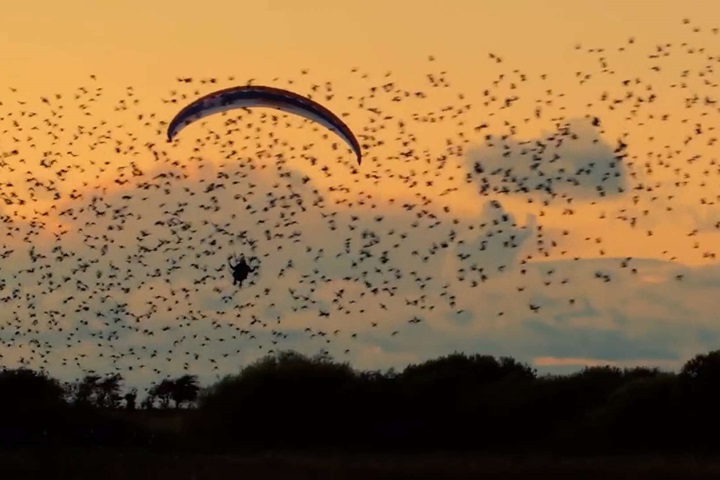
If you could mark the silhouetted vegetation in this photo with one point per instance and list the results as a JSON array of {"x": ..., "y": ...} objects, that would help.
[{"x": 288, "y": 401}]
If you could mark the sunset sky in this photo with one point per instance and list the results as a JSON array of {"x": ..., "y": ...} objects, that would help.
[{"x": 88, "y": 84}]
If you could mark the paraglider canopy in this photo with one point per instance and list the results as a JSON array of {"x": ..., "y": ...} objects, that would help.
[{"x": 262, "y": 96}]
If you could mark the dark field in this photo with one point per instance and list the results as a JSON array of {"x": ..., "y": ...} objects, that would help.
[
  {"x": 449, "y": 418},
  {"x": 116, "y": 464}
]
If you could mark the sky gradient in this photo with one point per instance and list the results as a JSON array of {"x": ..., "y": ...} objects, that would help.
[{"x": 616, "y": 266}]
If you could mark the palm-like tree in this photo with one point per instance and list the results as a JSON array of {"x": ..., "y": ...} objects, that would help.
[
  {"x": 186, "y": 390},
  {"x": 84, "y": 391},
  {"x": 130, "y": 399},
  {"x": 163, "y": 391},
  {"x": 109, "y": 391},
  {"x": 96, "y": 391}
]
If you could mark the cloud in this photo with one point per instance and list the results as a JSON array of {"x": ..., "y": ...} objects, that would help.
[
  {"x": 572, "y": 162},
  {"x": 575, "y": 362}
]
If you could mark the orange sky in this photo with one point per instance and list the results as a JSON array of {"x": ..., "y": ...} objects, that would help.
[
  {"x": 52, "y": 43},
  {"x": 54, "y": 46}
]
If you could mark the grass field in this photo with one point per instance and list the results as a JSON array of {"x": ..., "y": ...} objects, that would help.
[{"x": 116, "y": 464}]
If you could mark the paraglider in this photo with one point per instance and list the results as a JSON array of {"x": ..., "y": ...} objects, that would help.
[
  {"x": 240, "y": 270},
  {"x": 262, "y": 96}
]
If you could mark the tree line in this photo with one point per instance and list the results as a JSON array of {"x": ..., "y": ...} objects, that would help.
[{"x": 288, "y": 400}]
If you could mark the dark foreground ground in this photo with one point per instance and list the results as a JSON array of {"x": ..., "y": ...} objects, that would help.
[{"x": 117, "y": 464}]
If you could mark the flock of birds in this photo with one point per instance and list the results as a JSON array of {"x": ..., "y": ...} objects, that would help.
[{"x": 115, "y": 256}]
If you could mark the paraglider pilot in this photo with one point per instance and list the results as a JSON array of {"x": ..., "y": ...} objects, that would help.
[{"x": 240, "y": 270}]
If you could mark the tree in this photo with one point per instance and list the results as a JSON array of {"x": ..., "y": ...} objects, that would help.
[
  {"x": 148, "y": 401},
  {"x": 185, "y": 390},
  {"x": 96, "y": 391},
  {"x": 163, "y": 391},
  {"x": 130, "y": 399},
  {"x": 700, "y": 380},
  {"x": 703, "y": 370},
  {"x": 83, "y": 393},
  {"x": 31, "y": 406},
  {"x": 645, "y": 413},
  {"x": 286, "y": 392},
  {"x": 25, "y": 390},
  {"x": 459, "y": 368},
  {"x": 109, "y": 391}
]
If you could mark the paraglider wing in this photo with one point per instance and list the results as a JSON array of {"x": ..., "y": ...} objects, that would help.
[{"x": 260, "y": 96}]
